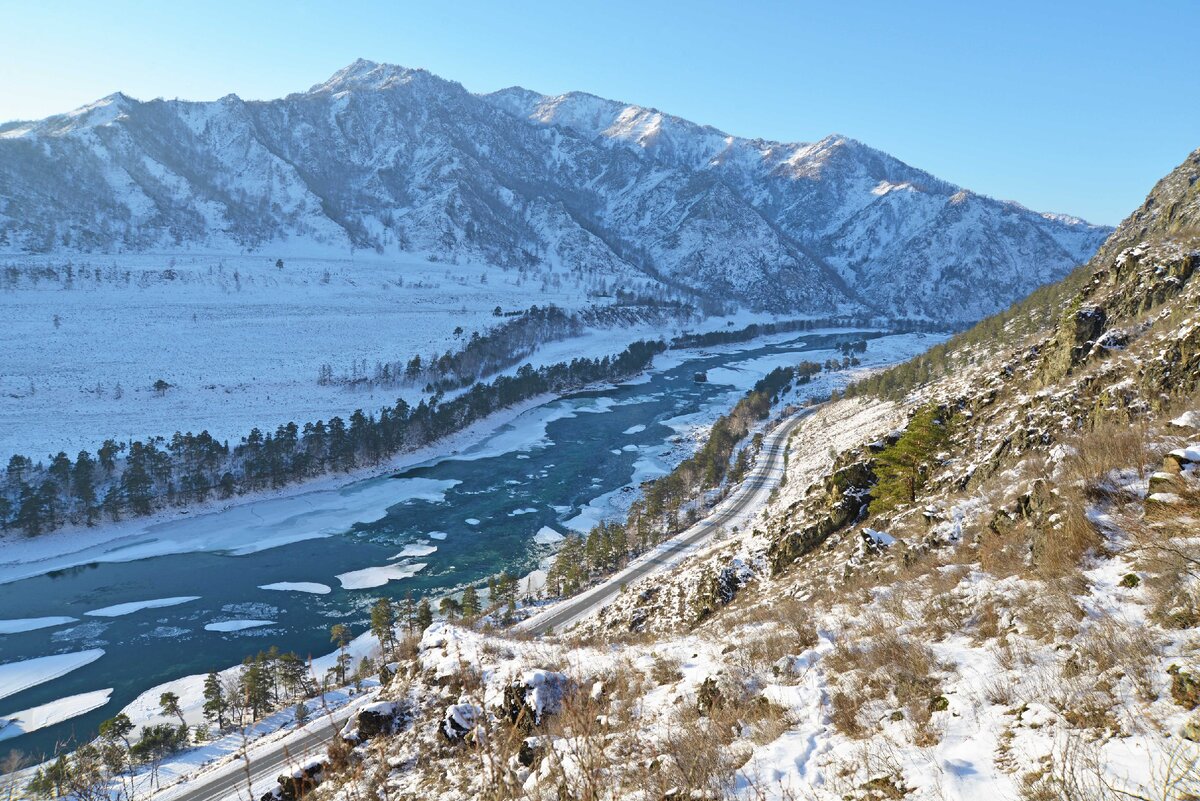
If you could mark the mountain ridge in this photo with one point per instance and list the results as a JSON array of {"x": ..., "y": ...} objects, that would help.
[{"x": 399, "y": 160}]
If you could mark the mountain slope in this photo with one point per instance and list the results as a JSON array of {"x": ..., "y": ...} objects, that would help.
[
  {"x": 897, "y": 235},
  {"x": 398, "y": 160}
]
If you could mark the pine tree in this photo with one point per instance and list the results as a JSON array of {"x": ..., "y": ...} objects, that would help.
[
  {"x": 408, "y": 613},
  {"x": 339, "y": 634},
  {"x": 424, "y": 615},
  {"x": 449, "y": 608},
  {"x": 255, "y": 686},
  {"x": 470, "y": 602},
  {"x": 83, "y": 483},
  {"x": 29, "y": 513},
  {"x": 168, "y": 704},
  {"x": 383, "y": 623},
  {"x": 902, "y": 469},
  {"x": 215, "y": 704}
]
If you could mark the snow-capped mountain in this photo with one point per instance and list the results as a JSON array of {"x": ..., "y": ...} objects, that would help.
[{"x": 395, "y": 160}]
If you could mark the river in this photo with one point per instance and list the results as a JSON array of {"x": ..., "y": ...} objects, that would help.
[{"x": 429, "y": 528}]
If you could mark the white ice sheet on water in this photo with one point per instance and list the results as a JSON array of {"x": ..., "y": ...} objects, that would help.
[{"x": 18, "y": 676}]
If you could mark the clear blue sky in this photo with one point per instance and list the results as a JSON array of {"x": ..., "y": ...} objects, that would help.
[{"x": 1064, "y": 106}]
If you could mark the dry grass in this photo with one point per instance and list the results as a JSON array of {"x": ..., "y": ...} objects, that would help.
[
  {"x": 665, "y": 669},
  {"x": 1125, "y": 650},
  {"x": 877, "y": 663}
]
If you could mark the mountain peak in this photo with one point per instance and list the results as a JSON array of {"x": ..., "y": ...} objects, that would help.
[{"x": 366, "y": 74}]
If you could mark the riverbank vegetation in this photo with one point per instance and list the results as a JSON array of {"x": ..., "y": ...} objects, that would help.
[
  {"x": 139, "y": 477},
  {"x": 522, "y": 332}
]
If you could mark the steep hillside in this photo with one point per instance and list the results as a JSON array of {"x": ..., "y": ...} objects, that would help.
[
  {"x": 395, "y": 160},
  {"x": 984, "y": 588}
]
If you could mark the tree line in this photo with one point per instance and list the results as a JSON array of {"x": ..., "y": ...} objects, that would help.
[
  {"x": 710, "y": 339},
  {"x": 499, "y": 348},
  {"x": 1026, "y": 319},
  {"x": 139, "y": 477}
]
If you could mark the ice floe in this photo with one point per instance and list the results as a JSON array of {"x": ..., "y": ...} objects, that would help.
[
  {"x": 547, "y": 536},
  {"x": 32, "y": 624},
  {"x": 39, "y": 717},
  {"x": 415, "y": 549},
  {"x": 238, "y": 625},
  {"x": 118, "y": 610},
  {"x": 18, "y": 676},
  {"x": 298, "y": 586},
  {"x": 370, "y": 577}
]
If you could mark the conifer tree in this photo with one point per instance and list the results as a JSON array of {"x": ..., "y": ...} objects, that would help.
[
  {"x": 902, "y": 469},
  {"x": 424, "y": 615},
  {"x": 383, "y": 624},
  {"x": 470, "y": 602}
]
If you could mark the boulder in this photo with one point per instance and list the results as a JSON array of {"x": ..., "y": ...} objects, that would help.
[
  {"x": 531, "y": 751},
  {"x": 371, "y": 721},
  {"x": 1162, "y": 481},
  {"x": 1180, "y": 459},
  {"x": 299, "y": 783},
  {"x": 532, "y": 696},
  {"x": 459, "y": 720},
  {"x": 1188, "y": 421}
]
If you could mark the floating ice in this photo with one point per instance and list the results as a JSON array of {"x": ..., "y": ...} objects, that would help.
[
  {"x": 18, "y": 676},
  {"x": 414, "y": 549},
  {"x": 298, "y": 586},
  {"x": 238, "y": 625},
  {"x": 370, "y": 577},
  {"x": 117, "y": 610},
  {"x": 547, "y": 536},
  {"x": 32, "y": 624}
]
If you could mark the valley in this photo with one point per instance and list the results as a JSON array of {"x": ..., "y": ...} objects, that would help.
[
  {"x": 278, "y": 571},
  {"x": 402, "y": 439}
]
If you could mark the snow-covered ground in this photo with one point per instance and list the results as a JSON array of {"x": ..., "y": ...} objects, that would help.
[{"x": 240, "y": 341}]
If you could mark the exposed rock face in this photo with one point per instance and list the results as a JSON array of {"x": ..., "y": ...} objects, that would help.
[
  {"x": 394, "y": 160},
  {"x": 843, "y": 498}
]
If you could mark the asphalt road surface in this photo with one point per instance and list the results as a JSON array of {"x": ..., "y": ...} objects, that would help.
[{"x": 265, "y": 766}]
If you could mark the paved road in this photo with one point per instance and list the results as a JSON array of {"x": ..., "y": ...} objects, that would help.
[
  {"x": 266, "y": 764},
  {"x": 762, "y": 478}
]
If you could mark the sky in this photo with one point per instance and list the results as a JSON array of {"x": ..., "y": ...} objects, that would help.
[{"x": 1063, "y": 106}]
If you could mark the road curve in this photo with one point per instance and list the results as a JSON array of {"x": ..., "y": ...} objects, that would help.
[{"x": 762, "y": 477}]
